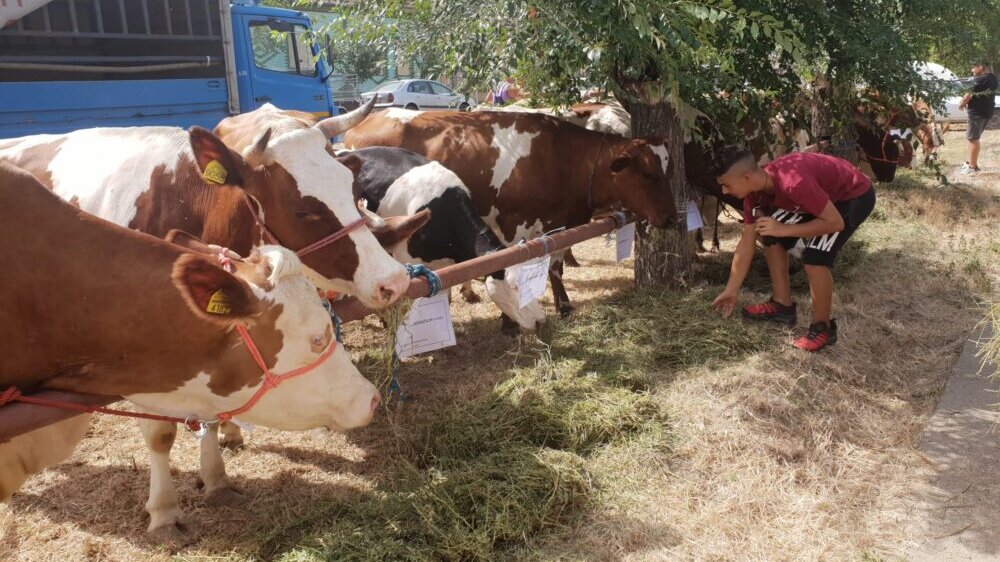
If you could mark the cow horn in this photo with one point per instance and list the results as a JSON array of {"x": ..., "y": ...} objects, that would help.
[
  {"x": 374, "y": 221},
  {"x": 333, "y": 126}
]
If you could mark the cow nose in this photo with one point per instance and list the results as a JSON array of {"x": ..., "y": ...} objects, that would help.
[{"x": 387, "y": 293}]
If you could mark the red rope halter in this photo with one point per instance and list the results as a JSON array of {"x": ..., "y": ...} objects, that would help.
[{"x": 271, "y": 238}]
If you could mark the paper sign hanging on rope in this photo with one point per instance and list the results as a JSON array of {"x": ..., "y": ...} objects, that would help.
[
  {"x": 694, "y": 221},
  {"x": 427, "y": 327},
  {"x": 624, "y": 239},
  {"x": 531, "y": 278}
]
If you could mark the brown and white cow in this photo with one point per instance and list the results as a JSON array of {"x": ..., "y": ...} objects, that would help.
[
  {"x": 100, "y": 309},
  {"x": 153, "y": 179},
  {"x": 529, "y": 174}
]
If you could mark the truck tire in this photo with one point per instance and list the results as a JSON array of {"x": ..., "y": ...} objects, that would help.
[{"x": 412, "y": 106}]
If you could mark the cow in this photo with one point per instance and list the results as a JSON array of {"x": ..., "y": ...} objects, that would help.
[
  {"x": 100, "y": 309},
  {"x": 283, "y": 184},
  {"x": 529, "y": 174},
  {"x": 396, "y": 181}
]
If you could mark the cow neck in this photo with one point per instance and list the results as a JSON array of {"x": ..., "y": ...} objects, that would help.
[
  {"x": 130, "y": 300},
  {"x": 593, "y": 172}
]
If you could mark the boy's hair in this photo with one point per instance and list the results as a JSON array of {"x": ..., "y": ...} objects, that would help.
[
  {"x": 729, "y": 156},
  {"x": 982, "y": 62}
]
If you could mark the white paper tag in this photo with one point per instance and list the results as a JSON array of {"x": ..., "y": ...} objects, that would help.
[
  {"x": 694, "y": 221},
  {"x": 427, "y": 327},
  {"x": 531, "y": 278},
  {"x": 624, "y": 238}
]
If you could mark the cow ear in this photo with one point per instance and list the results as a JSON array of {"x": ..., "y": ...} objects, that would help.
[
  {"x": 620, "y": 163},
  {"x": 191, "y": 242},
  {"x": 213, "y": 293},
  {"x": 400, "y": 229},
  {"x": 352, "y": 161},
  {"x": 216, "y": 162}
]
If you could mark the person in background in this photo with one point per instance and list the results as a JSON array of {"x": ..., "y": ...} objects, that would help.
[
  {"x": 979, "y": 105},
  {"x": 506, "y": 92}
]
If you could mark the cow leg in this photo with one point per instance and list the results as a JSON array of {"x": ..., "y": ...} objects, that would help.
[
  {"x": 166, "y": 521},
  {"x": 558, "y": 289},
  {"x": 232, "y": 437},
  {"x": 569, "y": 259},
  {"x": 508, "y": 327},
  {"x": 218, "y": 491},
  {"x": 469, "y": 294}
]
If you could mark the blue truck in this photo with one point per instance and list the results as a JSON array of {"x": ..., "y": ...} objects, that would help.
[{"x": 72, "y": 64}]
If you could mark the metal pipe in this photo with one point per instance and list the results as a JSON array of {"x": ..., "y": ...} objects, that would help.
[
  {"x": 20, "y": 418},
  {"x": 106, "y": 69},
  {"x": 352, "y": 309},
  {"x": 99, "y": 17},
  {"x": 121, "y": 8},
  {"x": 187, "y": 12},
  {"x": 145, "y": 17},
  {"x": 72, "y": 16},
  {"x": 170, "y": 23}
]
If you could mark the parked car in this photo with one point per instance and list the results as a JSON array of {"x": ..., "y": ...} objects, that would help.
[{"x": 417, "y": 94}]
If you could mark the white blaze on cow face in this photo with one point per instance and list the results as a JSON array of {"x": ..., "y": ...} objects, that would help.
[
  {"x": 333, "y": 394},
  {"x": 402, "y": 115},
  {"x": 125, "y": 153},
  {"x": 505, "y": 293},
  {"x": 661, "y": 151},
  {"x": 512, "y": 146},
  {"x": 379, "y": 280}
]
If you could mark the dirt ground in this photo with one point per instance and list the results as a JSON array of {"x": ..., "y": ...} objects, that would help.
[{"x": 784, "y": 456}]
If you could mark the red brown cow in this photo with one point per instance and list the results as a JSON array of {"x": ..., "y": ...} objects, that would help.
[
  {"x": 100, "y": 309},
  {"x": 155, "y": 179},
  {"x": 529, "y": 173}
]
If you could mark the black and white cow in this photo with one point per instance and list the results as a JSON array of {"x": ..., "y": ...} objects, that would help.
[{"x": 395, "y": 181}]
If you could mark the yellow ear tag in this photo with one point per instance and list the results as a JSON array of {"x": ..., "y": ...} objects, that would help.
[
  {"x": 215, "y": 173},
  {"x": 219, "y": 303}
]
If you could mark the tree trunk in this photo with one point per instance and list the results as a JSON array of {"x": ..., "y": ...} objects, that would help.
[
  {"x": 820, "y": 107},
  {"x": 663, "y": 256}
]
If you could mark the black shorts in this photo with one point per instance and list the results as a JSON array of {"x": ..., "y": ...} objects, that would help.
[
  {"x": 823, "y": 249},
  {"x": 977, "y": 124}
]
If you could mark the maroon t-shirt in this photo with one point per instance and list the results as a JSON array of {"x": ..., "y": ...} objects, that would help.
[{"x": 804, "y": 182}]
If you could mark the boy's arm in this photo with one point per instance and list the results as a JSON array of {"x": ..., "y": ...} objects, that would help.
[
  {"x": 742, "y": 257},
  {"x": 827, "y": 222}
]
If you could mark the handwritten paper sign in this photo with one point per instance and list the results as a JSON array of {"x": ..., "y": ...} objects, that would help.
[
  {"x": 624, "y": 239},
  {"x": 531, "y": 278},
  {"x": 694, "y": 221},
  {"x": 427, "y": 327}
]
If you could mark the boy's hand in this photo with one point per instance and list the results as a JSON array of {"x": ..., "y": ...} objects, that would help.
[
  {"x": 766, "y": 226},
  {"x": 725, "y": 302}
]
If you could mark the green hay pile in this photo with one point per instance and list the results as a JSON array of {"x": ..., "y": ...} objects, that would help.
[
  {"x": 480, "y": 479},
  {"x": 644, "y": 332}
]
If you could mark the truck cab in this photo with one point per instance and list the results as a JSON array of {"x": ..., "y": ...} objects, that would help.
[{"x": 72, "y": 64}]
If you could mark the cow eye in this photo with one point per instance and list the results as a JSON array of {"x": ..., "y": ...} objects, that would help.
[
  {"x": 306, "y": 215},
  {"x": 319, "y": 343}
]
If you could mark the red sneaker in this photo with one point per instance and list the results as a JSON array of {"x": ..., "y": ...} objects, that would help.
[
  {"x": 819, "y": 336},
  {"x": 772, "y": 311}
]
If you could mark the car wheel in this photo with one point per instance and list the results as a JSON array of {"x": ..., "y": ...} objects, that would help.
[
  {"x": 463, "y": 107},
  {"x": 412, "y": 106}
]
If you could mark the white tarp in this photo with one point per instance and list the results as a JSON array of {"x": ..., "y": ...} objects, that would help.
[{"x": 13, "y": 10}]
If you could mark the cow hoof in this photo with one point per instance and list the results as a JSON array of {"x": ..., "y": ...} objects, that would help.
[
  {"x": 176, "y": 532},
  {"x": 231, "y": 442},
  {"x": 226, "y": 497},
  {"x": 565, "y": 309},
  {"x": 470, "y": 296},
  {"x": 570, "y": 260}
]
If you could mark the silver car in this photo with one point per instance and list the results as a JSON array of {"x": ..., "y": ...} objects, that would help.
[{"x": 417, "y": 94}]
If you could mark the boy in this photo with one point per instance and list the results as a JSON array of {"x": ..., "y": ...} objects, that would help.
[{"x": 818, "y": 198}]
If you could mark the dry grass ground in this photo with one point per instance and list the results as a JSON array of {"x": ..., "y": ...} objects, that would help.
[{"x": 756, "y": 452}]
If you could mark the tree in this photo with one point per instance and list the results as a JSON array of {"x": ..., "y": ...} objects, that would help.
[{"x": 651, "y": 55}]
